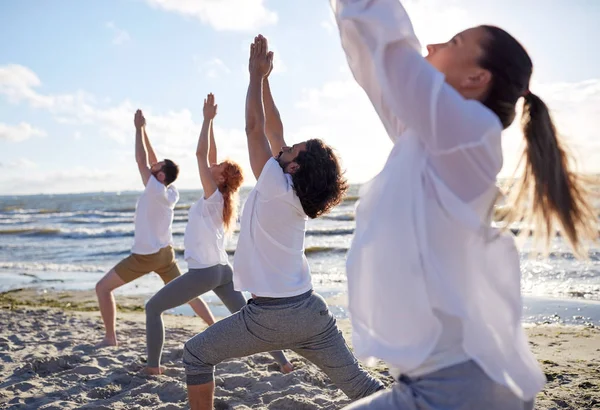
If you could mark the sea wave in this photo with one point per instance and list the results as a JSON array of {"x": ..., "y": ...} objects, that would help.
[
  {"x": 15, "y": 210},
  {"x": 324, "y": 249},
  {"x": 82, "y": 233},
  {"x": 351, "y": 198},
  {"x": 50, "y": 267},
  {"x": 311, "y": 250},
  {"x": 340, "y": 217},
  {"x": 31, "y": 231},
  {"x": 329, "y": 232}
]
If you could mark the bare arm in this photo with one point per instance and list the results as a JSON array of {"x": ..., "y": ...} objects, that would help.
[
  {"x": 141, "y": 155},
  {"x": 273, "y": 124},
  {"x": 209, "y": 185},
  {"x": 151, "y": 154},
  {"x": 258, "y": 145},
  {"x": 212, "y": 149}
]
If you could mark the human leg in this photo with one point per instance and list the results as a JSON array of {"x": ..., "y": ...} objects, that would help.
[
  {"x": 234, "y": 336},
  {"x": 234, "y": 301},
  {"x": 170, "y": 271},
  {"x": 107, "y": 305},
  {"x": 325, "y": 347},
  {"x": 462, "y": 386}
]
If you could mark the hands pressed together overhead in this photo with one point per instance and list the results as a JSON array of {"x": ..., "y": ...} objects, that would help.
[
  {"x": 138, "y": 120},
  {"x": 210, "y": 108},
  {"x": 261, "y": 59}
]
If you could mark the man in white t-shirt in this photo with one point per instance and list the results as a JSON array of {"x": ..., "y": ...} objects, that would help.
[
  {"x": 152, "y": 249},
  {"x": 294, "y": 183}
]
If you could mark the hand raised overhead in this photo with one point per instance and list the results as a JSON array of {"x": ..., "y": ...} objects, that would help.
[
  {"x": 138, "y": 120},
  {"x": 210, "y": 108},
  {"x": 261, "y": 59}
]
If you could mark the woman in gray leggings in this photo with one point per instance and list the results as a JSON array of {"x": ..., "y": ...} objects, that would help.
[{"x": 209, "y": 220}]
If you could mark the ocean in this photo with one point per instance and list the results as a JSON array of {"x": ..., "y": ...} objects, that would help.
[{"x": 69, "y": 241}]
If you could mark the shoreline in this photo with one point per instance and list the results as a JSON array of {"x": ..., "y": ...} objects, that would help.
[
  {"x": 536, "y": 309},
  {"x": 48, "y": 361}
]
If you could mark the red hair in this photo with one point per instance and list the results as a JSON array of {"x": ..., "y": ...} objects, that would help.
[{"x": 233, "y": 178}]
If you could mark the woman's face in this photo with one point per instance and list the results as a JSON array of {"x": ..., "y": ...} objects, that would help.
[
  {"x": 458, "y": 59},
  {"x": 217, "y": 172}
]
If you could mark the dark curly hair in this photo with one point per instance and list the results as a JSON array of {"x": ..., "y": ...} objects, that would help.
[
  {"x": 171, "y": 171},
  {"x": 319, "y": 181}
]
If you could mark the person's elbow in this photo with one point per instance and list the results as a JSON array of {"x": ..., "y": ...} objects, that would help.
[
  {"x": 141, "y": 161},
  {"x": 254, "y": 129}
]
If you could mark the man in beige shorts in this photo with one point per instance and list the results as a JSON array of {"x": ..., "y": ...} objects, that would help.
[{"x": 152, "y": 249}]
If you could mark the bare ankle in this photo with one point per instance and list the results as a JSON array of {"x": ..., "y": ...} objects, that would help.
[
  {"x": 154, "y": 370},
  {"x": 107, "y": 341}
]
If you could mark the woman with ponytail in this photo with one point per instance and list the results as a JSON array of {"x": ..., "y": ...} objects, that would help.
[
  {"x": 210, "y": 219},
  {"x": 434, "y": 289}
]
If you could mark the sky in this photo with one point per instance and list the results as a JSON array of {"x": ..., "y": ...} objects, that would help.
[{"x": 72, "y": 74}]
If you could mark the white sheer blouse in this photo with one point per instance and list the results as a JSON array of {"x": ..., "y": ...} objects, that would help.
[{"x": 423, "y": 240}]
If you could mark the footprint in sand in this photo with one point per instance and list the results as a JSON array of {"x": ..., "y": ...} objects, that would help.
[{"x": 47, "y": 366}]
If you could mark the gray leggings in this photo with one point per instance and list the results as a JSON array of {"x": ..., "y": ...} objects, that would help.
[
  {"x": 301, "y": 323},
  {"x": 464, "y": 386},
  {"x": 181, "y": 290}
]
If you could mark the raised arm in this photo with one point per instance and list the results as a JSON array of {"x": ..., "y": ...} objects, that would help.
[
  {"x": 141, "y": 155},
  {"x": 273, "y": 124},
  {"x": 209, "y": 185},
  {"x": 407, "y": 92},
  {"x": 212, "y": 149},
  {"x": 151, "y": 155},
  {"x": 258, "y": 145}
]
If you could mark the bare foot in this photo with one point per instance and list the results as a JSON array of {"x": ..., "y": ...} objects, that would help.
[
  {"x": 154, "y": 370},
  {"x": 107, "y": 341},
  {"x": 286, "y": 368}
]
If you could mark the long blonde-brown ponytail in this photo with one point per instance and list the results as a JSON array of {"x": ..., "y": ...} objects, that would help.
[{"x": 549, "y": 194}]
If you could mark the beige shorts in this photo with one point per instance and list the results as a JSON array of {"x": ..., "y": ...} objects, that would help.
[{"x": 162, "y": 262}]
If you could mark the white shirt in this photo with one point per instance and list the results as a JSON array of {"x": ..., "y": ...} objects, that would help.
[
  {"x": 423, "y": 241},
  {"x": 154, "y": 217},
  {"x": 269, "y": 260},
  {"x": 204, "y": 238}
]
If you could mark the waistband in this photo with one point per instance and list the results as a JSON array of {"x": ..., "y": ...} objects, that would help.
[{"x": 262, "y": 301}]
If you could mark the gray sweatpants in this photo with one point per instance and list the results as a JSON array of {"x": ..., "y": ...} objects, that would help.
[
  {"x": 181, "y": 290},
  {"x": 301, "y": 323},
  {"x": 464, "y": 386}
]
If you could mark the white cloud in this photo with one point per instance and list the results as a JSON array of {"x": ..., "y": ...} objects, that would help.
[
  {"x": 75, "y": 179},
  {"x": 213, "y": 68},
  {"x": 230, "y": 15},
  {"x": 575, "y": 108},
  {"x": 279, "y": 65},
  {"x": 19, "y": 165},
  {"x": 113, "y": 121},
  {"x": 120, "y": 36},
  {"x": 330, "y": 28},
  {"x": 329, "y": 25},
  {"x": 17, "y": 83},
  {"x": 435, "y": 21},
  {"x": 19, "y": 132},
  {"x": 340, "y": 113}
]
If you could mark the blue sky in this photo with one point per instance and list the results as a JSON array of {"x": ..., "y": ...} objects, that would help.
[{"x": 72, "y": 74}]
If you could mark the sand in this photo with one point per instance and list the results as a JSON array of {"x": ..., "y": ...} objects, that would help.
[{"x": 48, "y": 361}]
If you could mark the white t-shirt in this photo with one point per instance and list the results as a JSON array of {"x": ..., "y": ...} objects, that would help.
[
  {"x": 269, "y": 259},
  {"x": 204, "y": 238},
  {"x": 154, "y": 217},
  {"x": 423, "y": 242}
]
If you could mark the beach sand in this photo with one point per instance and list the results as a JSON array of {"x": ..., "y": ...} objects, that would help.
[{"x": 48, "y": 361}]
